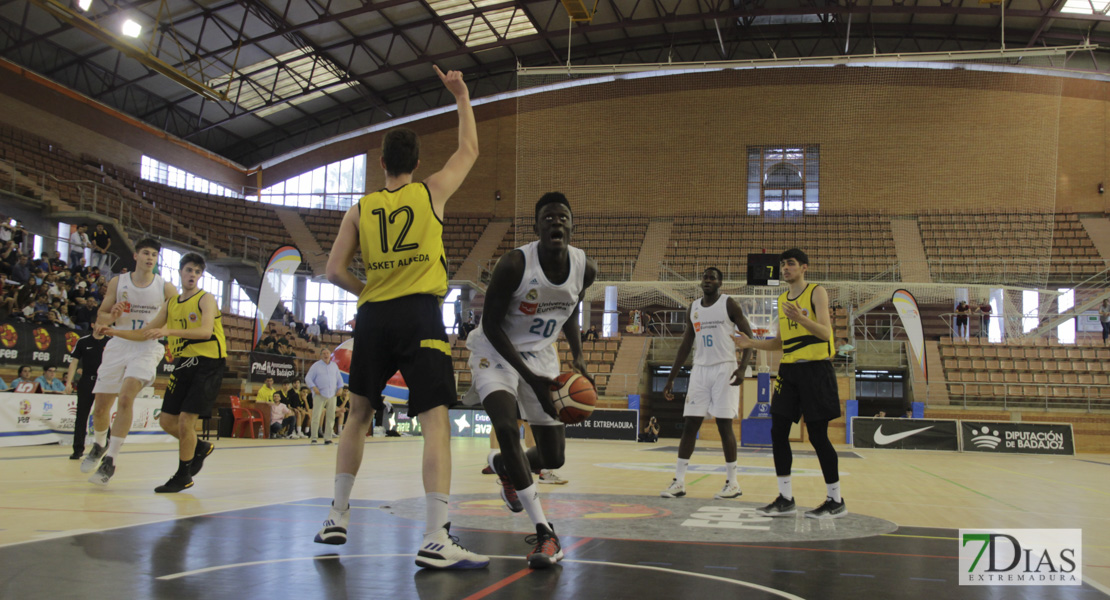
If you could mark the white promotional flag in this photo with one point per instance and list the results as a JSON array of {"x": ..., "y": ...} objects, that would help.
[{"x": 911, "y": 321}]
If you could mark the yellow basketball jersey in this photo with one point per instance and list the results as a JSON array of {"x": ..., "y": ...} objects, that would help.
[
  {"x": 402, "y": 244},
  {"x": 185, "y": 314},
  {"x": 798, "y": 344}
]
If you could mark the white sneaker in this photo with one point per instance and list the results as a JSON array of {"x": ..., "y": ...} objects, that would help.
[
  {"x": 677, "y": 490},
  {"x": 442, "y": 551},
  {"x": 551, "y": 477},
  {"x": 334, "y": 530},
  {"x": 731, "y": 490}
]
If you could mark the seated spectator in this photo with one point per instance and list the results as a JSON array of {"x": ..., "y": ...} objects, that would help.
[
  {"x": 57, "y": 315},
  {"x": 591, "y": 333},
  {"x": 322, "y": 321},
  {"x": 9, "y": 255},
  {"x": 85, "y": 314},
  {"x": 7, "y": 305},
  {"x": 37, "y": 311},
  {"x": 56, "y": 264},
  {"x": 270, "y": 337},
  {"x": 312, "y": 332},
  {"x": 341, "y": 402},
  {"x": 284, "y": 349},
  {"x": 48, "y": 384},
  {"x": 287, "y": 318},
  {"x": 42, "y": 263},
  {"x": 280, "y": 418},
  {"x": 24, "y": 383},
  {"x": 289, "y": 339},
  {"x": 292, "y": 399},
  {"x": 3, "y": 385},
  {"x": 21, "y": 271},
  {"x": 266, "y": 392}
]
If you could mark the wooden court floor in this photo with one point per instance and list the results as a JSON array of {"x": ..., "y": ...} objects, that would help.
[{"x": 245, "y": 530}]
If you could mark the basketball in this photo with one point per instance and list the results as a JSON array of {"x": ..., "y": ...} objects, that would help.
[
  {"x": 575, "y": 398},
  {"x": 342, "y": 358}
]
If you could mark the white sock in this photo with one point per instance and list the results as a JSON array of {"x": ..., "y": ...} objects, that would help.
[
  {"x": 834, "y": 490},
  {"x": 100, "y": 437},
  {"x": 785, "y": 489},
  {"x": 530, "y": 498},
  {"x": 680, "y": 470},
  {"x": 731, "y": 466},
  {"x": 435, "y": 509},
  {"x": 114, "y": 445},
  {"x": 344, "y": 483}
]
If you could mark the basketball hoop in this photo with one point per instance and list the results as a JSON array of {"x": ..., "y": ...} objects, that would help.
[{"x": 760, "y": 333}]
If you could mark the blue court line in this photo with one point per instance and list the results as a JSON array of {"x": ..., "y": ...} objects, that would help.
[
  {"x": 928, "y": 579},
  {"x": 787, "y": 571},
  {"x": 856, "y": 575}
]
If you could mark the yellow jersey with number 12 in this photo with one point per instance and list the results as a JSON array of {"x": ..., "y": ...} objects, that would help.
[
  {"x": 185, "y": 314},
  {"x": 402, "y": 244},
  {"x": 798, "y": 344}
]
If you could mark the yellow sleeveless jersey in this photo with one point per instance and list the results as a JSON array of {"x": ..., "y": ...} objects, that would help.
[
  {"x": 402, "y": 244},
  {"x": 798, "y": 344},
  {"x": 185, "y": 314}
]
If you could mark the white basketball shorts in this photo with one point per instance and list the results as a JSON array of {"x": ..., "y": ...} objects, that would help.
[{"x": 710, "y": 393}]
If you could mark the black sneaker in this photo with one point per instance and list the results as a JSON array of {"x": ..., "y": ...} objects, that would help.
[
  {"x": 781, "y": 507},
  {"x": 202, "y": 452},
  {"x": 77, "y": 454},
  {"x": 176, "y": 483},
  {"x": 104, "y": 472},
  {"x": 508, "y": 490},
  {"x": 831, "y": 509},
  {"x": 92, "y": 458},
  {"x": 327, "y": 442},
  {"x": 546, "y": 550}
]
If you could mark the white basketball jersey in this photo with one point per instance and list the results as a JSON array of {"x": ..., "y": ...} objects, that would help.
[
  {"x": 141, "y": 304},
  {"x": 713, "y": 330},
  {"x": 538, "y": 308}
]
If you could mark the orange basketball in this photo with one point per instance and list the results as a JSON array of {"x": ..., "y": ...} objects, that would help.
[{"x": 575, "y": 398}]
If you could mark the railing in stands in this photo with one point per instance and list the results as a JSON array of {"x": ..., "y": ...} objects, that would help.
[{"x": 1046, "y": 396}]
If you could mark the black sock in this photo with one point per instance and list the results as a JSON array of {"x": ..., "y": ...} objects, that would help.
[{"x": 183, "y": 467}]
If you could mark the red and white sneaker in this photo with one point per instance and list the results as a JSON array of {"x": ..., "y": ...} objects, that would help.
[
  {"x": 546, "y": 550},
  {"x": 508, "y": 490}
]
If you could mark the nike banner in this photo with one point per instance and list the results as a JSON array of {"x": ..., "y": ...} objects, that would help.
[
  {"x": 905, "y": 434},
  {"x": 1017, "y": 438}
]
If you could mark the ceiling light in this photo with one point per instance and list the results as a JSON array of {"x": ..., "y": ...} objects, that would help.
[
  {"x": 84, "y": 4},
  {"x": 131, "y": 28}
]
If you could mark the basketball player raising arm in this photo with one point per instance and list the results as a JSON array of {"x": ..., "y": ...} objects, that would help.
[
  {"x": 399, "y": 323},
  {"x": 805, "y": 386},
  {"x": 534, "y": 293}
]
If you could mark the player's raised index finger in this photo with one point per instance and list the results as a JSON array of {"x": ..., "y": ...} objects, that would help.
[{"x": 440, "y": 73}]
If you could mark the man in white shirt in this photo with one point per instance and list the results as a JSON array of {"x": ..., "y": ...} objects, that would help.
[
  {"x": 78, "y": 241},
  {"x": 325, "y": 382}
]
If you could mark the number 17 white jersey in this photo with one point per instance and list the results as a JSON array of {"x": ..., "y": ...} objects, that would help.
[{"x": 538, "y": 308}]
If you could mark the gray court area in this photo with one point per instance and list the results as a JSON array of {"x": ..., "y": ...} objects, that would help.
[
  {"x": 714, "y": 448},
  {"x": 651, "y": 518}
]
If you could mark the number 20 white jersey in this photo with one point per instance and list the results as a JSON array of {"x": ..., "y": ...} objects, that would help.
[{"x": 538, "y": 308}]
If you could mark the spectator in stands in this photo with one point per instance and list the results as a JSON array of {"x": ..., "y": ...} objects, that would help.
[
  {"x": 5, "y": 233},
  {"x": 7, "y": 304},
  {"x": 38, "y": 311},
  {"x": 468, "y": 326},
  {"x": 1104, "y": 319},
  {"x": 9, "y": 255},
  {"x": 292, "y": 399},
  {"x": 306, "y": 398},
  {"x": 322, "y": 321},
  {"x": 963, "y": 312},
  {"x": 304, "y": 405},
  {"x": 101, "y": 241},
  {"x": 341, "y": 409},
  {"x": 24, "y": 383},
  {"x": 78, "y": 241},
  {"x": 86, "y": 313},
  {"x": 985, "y": 318},
  {"x": 287, "y": 318},
  {"x": 591, "y": 333},
  {"x": 21, "y": 272},
  {"x": 280, "y": 418},
  {"x": 3, "y": 385},
  {"x": 48, "y": 384},
  {"x": 284, "y": 349},
  {"x": 57, "y": 315},
  {"x": 270, "y": 339},
  {"x": 57, "y": 264},
  {"x": 265, "y": 348},
  {"x": 313, "y": 332},
  {"x": 266, "y": 392}
]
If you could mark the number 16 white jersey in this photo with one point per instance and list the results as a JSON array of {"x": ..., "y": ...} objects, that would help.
[
  {"x": 713, "y": 330},
  {"x": 538, "y": 308}
]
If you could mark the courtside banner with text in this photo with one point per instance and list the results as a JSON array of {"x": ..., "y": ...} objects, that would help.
[
  {"x": 27, "y": 344},
  {"x": 906, "y": 434},
  {"x": 1025, "y": 557},
  {"x": 1018, "y": 438},
  {"x": 35, "y": 419},
  {"x": 281, "y": 368},
  {"x": 607, "y": 424}
]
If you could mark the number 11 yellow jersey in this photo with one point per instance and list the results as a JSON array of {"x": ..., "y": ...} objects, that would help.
[{"x": 402, "y": 244}]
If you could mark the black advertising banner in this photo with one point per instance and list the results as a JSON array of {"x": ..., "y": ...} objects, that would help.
[
  {"x": 1017, "y": 438},
  {"x": 281, "y": 368},
  {"x": 905, "y": 434},
  {"x": 28, "y": 344},
  {"x": 608, "y": 424}
]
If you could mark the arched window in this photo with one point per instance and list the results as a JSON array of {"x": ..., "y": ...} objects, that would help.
[{"x": 783, "y": 180}]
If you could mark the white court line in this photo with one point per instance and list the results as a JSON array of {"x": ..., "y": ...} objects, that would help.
[
  {"x": 74, "y": 532},
  {"x": 738, "y": 582}
]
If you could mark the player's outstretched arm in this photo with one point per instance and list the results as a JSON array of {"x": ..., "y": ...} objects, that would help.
[
  {"x": 572, "y": 331},
  {"x": 680, "y": 358},
  {"x": 443, "y": 183},
  {"x": 736, "y": 315},
  {"x": 505, "y": 279},
  {"x": 343, "y": 252}
]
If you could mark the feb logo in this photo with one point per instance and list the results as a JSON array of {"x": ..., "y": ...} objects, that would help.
[
  {"x": 193, "y": 317},
  {"x": 71, "y": 340},
  {"x": 24, "y": 408},
  {"x": 41, "y": 337},
  {"x": 8, "y": 335}
]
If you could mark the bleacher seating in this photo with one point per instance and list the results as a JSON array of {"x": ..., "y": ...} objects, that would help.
[
  {"x": 838, "y": 246},
  {"x": 1064, "y": 376}
]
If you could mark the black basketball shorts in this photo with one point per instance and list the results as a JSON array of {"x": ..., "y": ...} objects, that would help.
[
  {"x": 194, "y": 385},
  {"x": 806, "y": 389},
  {"x": 404, "y": 334}
]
